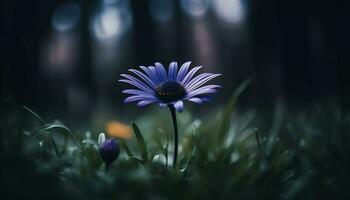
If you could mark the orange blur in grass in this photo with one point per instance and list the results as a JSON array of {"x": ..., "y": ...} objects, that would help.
[{"x": 118, "y": 130}]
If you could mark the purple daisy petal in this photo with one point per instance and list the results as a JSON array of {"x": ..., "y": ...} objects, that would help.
[
  {"x": 144, "y": 77},
  {"x": 208, "y": 87},
  {"x": 190, "y": 75},
  {"x": 172, "y": 71},
  {"x": 144, "y": 102},
  {"x": 179, "y": 106},
  {"x": 203, "y": 81},
  {"x": 211, "y": 86},
  {"x": 183, "y": 71},
  {"x": 136, "y": 84},
  {"x": 155, "y": 76},
  {"x": 205, "y": 98},
  {"x": 133, "y": 91},
  {"x": 151, "y": 73},
  {"x": 201, "y": 91},
  {"x": 161, "y": 71},
  {"x": 196, "y": 100},
  {"x": 196, "y": 79},
  {"x": 147, "y": 71},
  {"x": 144, "y": 85},
  {"x": 138, "y": 97}
]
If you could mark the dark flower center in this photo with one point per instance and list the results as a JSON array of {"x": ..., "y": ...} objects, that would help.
[{"x": 169, "y": 91}]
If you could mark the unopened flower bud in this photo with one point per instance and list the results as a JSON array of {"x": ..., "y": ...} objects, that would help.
[{"x": 109, "y": 151}]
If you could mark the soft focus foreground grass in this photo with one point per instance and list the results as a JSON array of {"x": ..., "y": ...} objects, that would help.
[{"x": 305, "y": 155}]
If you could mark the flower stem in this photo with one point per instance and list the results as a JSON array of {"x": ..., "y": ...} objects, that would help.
[
  {"x": 107, "y": 167},
  {"x": 176, "y": 134}
]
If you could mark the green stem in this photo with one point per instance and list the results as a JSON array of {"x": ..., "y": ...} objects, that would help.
[
  {"x": 176, "y": 134},
  {"x": 107, "y": 167},
  {"x": 258, "y": 141}
]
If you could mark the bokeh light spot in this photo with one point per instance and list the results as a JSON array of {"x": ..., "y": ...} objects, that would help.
[
  {"x": 111, "y": 22},
  {"x": 161, "y": 10},
  {"x": 118, "y": 130},
  {"x": 66, "y": 17},
  {"x": 231, "y": 11},
  {"x": 195, "y": 8}
]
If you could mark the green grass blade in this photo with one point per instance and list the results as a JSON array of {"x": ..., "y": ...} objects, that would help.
[
  {"x": 159, "y": 144},
  {"x": 224, "y": 122},
  {"x": 58, "y": 127},
  {"x": 129, "y": 153},
  {"x": 140, "y": 141},
  {"x": 190, "y": 163},
  {"x": 53, "y": 144},
  {"x": 65, "y": 144},
  {"x": 92, "y": 142},
  {"x": 33, "y": 113},
  {"x": 127, "y": 149}
]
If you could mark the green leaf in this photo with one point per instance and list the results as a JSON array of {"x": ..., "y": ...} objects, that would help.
[
  {"x": 224, "y": 123},
  {"x": 140, "y": 141},
  {"x": 137, "y": 160},
  {"x": 129, "y": 153},
  {"x": 93, "y": 156},
  {"x": 160, "y": 146},
  {"x": 124, "y": 146}
]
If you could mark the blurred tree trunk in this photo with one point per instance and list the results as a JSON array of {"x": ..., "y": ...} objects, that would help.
[
  {"x": 293, "y": 36},
  {"x": 24, "y": 24},
  {"x": 86, "y": 71},
  {"x": 143, "y": 33},
  {"x": 84, "y": 75}
]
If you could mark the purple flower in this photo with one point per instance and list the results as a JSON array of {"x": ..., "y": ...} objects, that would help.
[
  {"x": 109, "y": 150},
  {"x": 155, "y": 85}
]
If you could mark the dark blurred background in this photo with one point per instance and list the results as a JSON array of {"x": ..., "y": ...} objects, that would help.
[{"x": 63, "y": 58}]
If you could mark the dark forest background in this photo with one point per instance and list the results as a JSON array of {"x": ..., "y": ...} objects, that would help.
[{"x": 63, "y": 58}]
